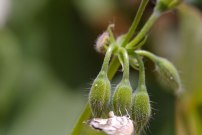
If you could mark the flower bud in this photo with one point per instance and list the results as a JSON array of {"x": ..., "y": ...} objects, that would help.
[
  {"x": 168, "y": 75},
  {"x": 164, "y": 5},
  {"x": 102, "y": 41},
  {"x": 141, "y": 108},
  {"x": 122, "y": 98},
  {"x": 99, "y": 96}
]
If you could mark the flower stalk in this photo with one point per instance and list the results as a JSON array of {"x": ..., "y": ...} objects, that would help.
[
  {"x": 136, "y": 21},
  {"x": 111, "y": 68}
]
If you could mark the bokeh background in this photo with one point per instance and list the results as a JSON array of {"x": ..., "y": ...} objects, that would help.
[{"x": 48, "y": 61}]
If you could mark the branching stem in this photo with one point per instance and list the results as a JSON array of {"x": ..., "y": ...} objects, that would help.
[
  {"x": 141, "y": 71},
  {"x": 125, "y": 63},
  {"x": 135, "y": 22},
  {"x": 147, "y": 54},
  {"x": 144, "y": 30},
  {"x": 107, "y": 58},
  {"x": 114, "y": 65}
]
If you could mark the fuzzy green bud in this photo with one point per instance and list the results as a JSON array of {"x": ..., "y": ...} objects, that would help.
[
  {"x": 122, "y": 98},
  {"x": 99, "y": 96},
  {"x": 168, "y": 74},
  {"x": 141, "y": 108},
  {"x": 165, "y": 5}
]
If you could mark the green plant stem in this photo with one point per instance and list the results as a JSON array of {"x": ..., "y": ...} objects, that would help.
[
  {"x": 135, "y": 22},
  {"x": 79, "y": 124},
  {"x": 111, "y": 35},
  {"x": 141, "y": 81},
  {"x": 86, "y": 112},
  {"x": 144, "y": 30},
  {"x": 147, "y": 54},
  {"x": 141, "y": 43},
  {"x": 125, "y": 63},
  {"x": 107, "y": 58},
  {"x": 114, "y": 65}
]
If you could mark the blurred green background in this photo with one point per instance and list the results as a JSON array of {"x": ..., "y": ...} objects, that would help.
[{"x": 48, "y": 61}]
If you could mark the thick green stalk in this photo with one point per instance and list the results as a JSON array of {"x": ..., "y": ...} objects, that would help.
[
  {"x": 139, "y": 45},
  {"x": 125, "y": 63},
  {"x": 144, "y": 30},
  {"x": 79, "y": 124},
  {"x": 147, "y": 54},
  {"x": 111, "y": 72},
  {"x": 114, "y": 65},
  {"x": 107, "y": 58},
  {"x": 136, "y": 21},
  {"x": 141, "y": 71}
]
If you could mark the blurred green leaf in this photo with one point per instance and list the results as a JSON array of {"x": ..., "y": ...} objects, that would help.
[
  {"x": 49, "y": 111},
  {"x": 10, "y": 67}
]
